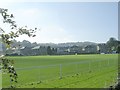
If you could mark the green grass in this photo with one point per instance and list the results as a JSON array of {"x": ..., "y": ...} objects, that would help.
[{"x": 77, "y": 71}]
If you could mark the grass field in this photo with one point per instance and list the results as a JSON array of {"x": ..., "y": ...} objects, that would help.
[{"x": 76, "y": 71}]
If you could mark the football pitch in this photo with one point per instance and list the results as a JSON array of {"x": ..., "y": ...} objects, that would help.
[{"x": 65, "y": 71}]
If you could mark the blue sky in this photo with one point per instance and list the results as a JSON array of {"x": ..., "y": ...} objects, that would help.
[{"x": 67, "y": 21}]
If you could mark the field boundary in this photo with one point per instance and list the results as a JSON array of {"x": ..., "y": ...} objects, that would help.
[{"x": 45, "y": 66}]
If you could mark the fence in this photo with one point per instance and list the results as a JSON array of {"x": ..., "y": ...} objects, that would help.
[
  {"x": 39, "y": 73},
  {"x": 59, "y": 71}
]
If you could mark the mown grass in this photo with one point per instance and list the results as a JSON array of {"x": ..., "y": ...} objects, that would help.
[
  {"x": 77, "y": 71},
  {"x": 89, "y": 80}
]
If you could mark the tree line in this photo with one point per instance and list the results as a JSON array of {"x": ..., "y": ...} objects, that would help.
[{"x": 27, "y": 48}]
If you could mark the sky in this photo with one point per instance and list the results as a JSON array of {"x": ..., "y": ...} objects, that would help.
[{"x": 61, "y": 22}]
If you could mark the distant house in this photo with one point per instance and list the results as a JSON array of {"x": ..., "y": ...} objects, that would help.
[
  {"x": 90, "y": 49},
  {"x": 39, "y": 50},
  {"x": 36, "y": 48},
  {"x": 103, "y": 48},
  {"x": 74, "y": 49},
  {"x": 26, "y": 51},
  {"x": 22, "y": 48},
  {"x": 63, "y": 50},
  {"x": 114, "y": 52}
]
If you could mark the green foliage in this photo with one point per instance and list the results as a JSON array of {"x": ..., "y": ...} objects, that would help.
[
  {"x": 7, "y": 38},
  {"x": 112, "y": 44},
  {"x": 15, "y": 30},
  {"x": 118, "y": 49},
  {"x": 7, "y": 66}
]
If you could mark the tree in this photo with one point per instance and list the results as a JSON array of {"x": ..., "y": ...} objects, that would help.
[
  {"x": 54, "y": 51},
  {"x": 118, "y": 49},
  {"x": 112, "y": 44},
  {"x": 49, "y": 50},
  {"x": 26, "y": 43},
  {"x": 7, "y": 40}
]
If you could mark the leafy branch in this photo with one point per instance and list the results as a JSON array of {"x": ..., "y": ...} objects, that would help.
[{"x": 7, "y": 38}]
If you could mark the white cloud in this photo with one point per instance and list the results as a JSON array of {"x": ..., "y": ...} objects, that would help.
[
  {"x": 54, "y": 34},
  {"x": 33, "y": 17},
  {"x": 50, "y": 32}
]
